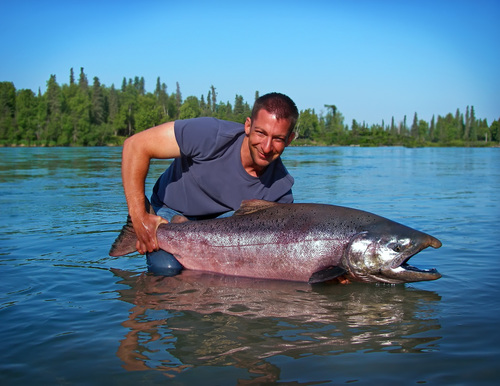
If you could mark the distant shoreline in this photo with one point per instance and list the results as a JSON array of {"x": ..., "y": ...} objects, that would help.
[{"x": 477, "y": 145}]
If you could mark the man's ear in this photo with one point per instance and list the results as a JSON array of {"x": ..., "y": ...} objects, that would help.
[
  {"x": 248, "y": 125},
  {"x": 290, "y": 138}
]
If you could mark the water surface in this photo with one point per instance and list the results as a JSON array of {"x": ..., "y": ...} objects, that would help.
[{"x": 73, "y": 315}]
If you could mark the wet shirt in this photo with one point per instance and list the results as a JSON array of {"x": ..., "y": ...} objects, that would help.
[{"x": 209, "y": 179}]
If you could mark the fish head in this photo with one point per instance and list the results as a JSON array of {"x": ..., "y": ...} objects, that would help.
[{"x": 381, "y": 255}]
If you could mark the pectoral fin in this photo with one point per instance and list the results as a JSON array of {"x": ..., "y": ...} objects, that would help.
[{"x": 326, "y": 274}]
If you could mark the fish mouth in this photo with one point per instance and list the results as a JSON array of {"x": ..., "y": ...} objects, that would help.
[
  {"x": 407, "y": 273},
  {"x": 402, "y": 272},
  {"x": 431, "y": 273}
]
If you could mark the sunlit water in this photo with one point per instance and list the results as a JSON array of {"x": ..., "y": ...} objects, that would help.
[{"x": 71, "y": 314}]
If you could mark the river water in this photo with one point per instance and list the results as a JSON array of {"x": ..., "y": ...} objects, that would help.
[{"x": 71, "y": 314}]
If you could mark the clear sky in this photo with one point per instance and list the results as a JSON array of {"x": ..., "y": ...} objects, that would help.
[{"x": 372, "y": 59}]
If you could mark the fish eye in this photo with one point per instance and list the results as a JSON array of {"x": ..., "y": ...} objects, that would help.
[{"x": 396, "y": 247}]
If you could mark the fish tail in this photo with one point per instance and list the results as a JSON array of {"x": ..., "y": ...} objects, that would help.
[{"x": 126, "y": 240}]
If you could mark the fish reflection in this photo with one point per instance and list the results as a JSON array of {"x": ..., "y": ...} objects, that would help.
[{"x": 199, "y": 319}]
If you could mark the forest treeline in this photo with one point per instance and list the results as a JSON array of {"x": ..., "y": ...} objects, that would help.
[{"x": 82, "y": 114}]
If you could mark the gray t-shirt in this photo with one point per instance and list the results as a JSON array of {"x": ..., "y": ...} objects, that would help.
[{"x": 209, "y": 179}]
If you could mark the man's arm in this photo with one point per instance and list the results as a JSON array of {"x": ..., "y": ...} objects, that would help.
[{"x": 138, "y": 150}]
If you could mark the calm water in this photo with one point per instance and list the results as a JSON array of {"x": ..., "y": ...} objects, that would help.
[{"x": 71, "y": 314}]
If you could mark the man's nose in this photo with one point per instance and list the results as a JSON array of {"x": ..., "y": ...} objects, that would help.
[{"x": 267, "y": 145}]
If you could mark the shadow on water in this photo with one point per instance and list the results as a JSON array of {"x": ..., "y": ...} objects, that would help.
[{"x": 199, "y": 319}]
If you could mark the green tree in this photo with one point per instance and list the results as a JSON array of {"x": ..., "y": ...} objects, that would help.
[
  {"x": 71, "y": 76},
  {"x": 140, "y": 85},
  {"x": 190, "y": 108},
  {"x": 446, "y": 129},
  {"x": 178, "y": 95},
  {"x": 483, "y": 131},
  {"x": 114, "y": 110},
  {"x": 7, "y": 110},
  {"x": 473, "y": 125},
  {"x": 214, "y": 98},
  {"x": 241, "y": 110},
  {"x": 83, "y": 82},
  {"x": 54, "y": 110},
  {"x": 414, "y": 127},
  {"x": 161, "y": 99},
  {"x": 423, "y": 130},
  {"x": 356, "y": 129},
  {"x": 172, "y": 109},
  {"x": 495, "y": 131},
  {"x": 205, "y": 107},
  {"x": 79, "y": 118},
  {"x": 308, "y": 125},
  {"x": 467, "y": 125},
  {"x": 97, "y": 106},
  {"x": 459, "y": 122},
  {"x": 41, "y": 117},
  {"x": 26, "y": 116},
  {"x": 393, "y": 129},
  {"x": 334, "y": 130},
  {"x": 128, "y": 106},
  {"x": 148, "y": 114},
  {"x": 224, "y": 111},
  {"x": 432, "y": 130}
]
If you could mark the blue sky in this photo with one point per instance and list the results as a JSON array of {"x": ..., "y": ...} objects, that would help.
[{"x": 372, "y": 59}]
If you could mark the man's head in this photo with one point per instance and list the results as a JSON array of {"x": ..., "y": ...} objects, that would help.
[
  {"x": 279, "y": 105},
  {"x": 269, "y": 131}
]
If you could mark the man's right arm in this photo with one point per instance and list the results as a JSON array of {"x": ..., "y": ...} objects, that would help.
[{"x": 138, "y": 150}]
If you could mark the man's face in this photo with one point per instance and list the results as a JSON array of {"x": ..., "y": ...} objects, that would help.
[{"x": 267, "y": 138}]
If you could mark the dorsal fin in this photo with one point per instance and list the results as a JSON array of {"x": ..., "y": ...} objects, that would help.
[{"x": 251, "y": 206}]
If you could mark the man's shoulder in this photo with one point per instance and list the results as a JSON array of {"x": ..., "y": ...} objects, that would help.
[
  {"x": 206, "y": 135},
  {"x": 209, "y": 123}
]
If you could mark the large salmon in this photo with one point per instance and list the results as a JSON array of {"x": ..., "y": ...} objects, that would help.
[{"x": 300, "y": 242}]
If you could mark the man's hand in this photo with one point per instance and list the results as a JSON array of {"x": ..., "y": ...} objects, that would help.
[{"x": 145, "y": 228}]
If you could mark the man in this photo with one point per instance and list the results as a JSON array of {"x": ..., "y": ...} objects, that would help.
[{"x": 217, "y": 164}]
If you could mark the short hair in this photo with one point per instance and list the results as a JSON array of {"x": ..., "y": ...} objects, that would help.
[{"x": 280, "y": 105}]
